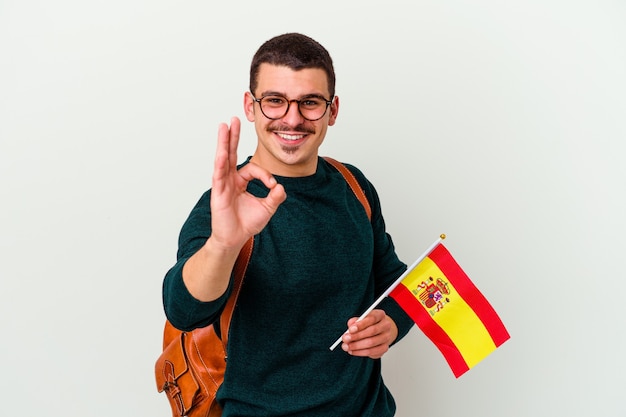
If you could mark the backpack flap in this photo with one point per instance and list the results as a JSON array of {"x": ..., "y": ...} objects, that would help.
[{"x": 175, "y": 378}]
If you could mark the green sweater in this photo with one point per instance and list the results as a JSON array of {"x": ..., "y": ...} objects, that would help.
[{"x": 317, "y": 263}]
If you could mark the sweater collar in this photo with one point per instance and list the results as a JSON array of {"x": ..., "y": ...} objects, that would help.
[{"x": 301, "y": 183}]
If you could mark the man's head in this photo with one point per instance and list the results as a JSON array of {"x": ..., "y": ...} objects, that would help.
[
  {"x": 295, "y": 51},
  {"x": 291, "y": 103}
]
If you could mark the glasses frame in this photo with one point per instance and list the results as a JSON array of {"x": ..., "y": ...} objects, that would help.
[{"x": 328, "y": 103}]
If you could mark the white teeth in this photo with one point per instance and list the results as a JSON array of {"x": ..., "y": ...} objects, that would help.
[{"x": 290, "y": 137}]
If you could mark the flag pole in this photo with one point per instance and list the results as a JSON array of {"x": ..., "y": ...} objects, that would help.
[{"x": 395, "y": 284}]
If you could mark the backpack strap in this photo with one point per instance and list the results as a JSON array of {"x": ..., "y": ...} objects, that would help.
[
  {"x": 241, "y": 264},
  {"x": 246, "y": 252},
  {"x": 353, "y": 183}
]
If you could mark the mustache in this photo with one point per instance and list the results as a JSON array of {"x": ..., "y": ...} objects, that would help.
[{"x": 281, "y": 127}]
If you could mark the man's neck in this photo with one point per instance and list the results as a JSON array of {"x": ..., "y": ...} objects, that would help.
[{"x": 283, "y": 169}]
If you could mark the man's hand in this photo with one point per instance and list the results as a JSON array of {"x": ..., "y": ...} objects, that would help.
[
  {"x": 371, "y": 336},
  {"x": 236, "y": 214}
]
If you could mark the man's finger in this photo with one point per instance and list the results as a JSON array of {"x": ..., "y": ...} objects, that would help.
[{"x": 235, "y": 128}]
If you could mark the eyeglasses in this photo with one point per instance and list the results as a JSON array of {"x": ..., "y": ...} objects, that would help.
[{"x": 275, "y": 107}]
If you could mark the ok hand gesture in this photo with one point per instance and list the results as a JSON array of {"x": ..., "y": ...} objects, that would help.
[{"x": 236, "y": 214}]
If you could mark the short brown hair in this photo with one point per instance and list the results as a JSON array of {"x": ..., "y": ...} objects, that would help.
[{"x": 295, "y": 51}]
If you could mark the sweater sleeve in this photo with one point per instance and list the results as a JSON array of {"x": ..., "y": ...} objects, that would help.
[
  {"x": 387, "y": 267},
  {"x": 182, "y": 309}
]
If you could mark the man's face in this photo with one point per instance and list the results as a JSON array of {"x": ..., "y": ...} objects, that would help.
[{"x": 289, "y": 146}]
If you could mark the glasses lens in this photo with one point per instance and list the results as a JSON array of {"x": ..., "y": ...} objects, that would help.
[
  {"x": 312, "y": 108},
  {"x": 274, "y": 107}
]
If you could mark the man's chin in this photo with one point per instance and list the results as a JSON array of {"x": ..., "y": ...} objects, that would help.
[{"x": 290, "y": 150}]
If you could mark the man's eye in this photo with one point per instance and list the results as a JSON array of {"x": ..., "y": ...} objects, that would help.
[
  {"x": 274, "y": 101},
  {"x": 311, "y": 103}
]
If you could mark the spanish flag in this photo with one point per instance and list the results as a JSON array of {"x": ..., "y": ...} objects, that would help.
[{"x": 450, "y": 310}]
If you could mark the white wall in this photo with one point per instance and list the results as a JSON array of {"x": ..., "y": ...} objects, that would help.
[{"x": 499, "y": 123}]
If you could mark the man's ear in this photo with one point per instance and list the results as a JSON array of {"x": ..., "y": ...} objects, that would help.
[
  {"x": 334, "y": 111},
  {"x": 248, "y": 106}
]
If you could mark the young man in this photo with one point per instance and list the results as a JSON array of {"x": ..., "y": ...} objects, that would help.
[{"x": 317, "y": 259}]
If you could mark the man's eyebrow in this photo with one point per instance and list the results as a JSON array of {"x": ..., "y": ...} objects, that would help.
[
  {"x": 272, "y": 93},
  {"x": 313, "y": 95}
]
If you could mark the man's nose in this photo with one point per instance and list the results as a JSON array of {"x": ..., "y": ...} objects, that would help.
[{"x": 293, "y": 116}]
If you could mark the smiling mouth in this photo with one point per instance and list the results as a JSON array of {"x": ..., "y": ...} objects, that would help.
[{"x": 290, "y": 137}]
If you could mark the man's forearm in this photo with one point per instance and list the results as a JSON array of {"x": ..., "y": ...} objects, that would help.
[{"x": 207, "y": 273}]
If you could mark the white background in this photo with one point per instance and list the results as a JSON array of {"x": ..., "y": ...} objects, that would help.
[{"x": 499, "y": 123}]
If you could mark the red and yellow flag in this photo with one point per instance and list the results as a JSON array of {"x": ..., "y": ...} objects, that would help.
[{"x": 450, "y": 310}]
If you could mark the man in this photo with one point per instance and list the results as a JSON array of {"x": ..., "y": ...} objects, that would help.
[{"x": 317, "y": 259}]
